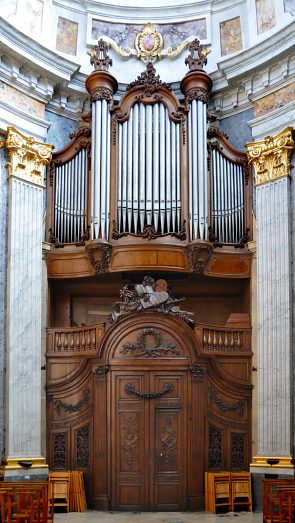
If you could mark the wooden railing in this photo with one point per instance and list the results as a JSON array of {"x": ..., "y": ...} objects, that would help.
[
  {"x": 75, "y": 339},
  {"x": 223, "y": 339}
]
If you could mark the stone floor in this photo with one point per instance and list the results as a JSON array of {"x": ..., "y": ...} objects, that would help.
[{"x": 157, "y": 517}]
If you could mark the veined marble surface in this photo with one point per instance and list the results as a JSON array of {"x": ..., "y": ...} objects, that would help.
[
  {"x": 274, "y": 318},
  {"x": 23, "y": 327},
  {"x": 3, "y": 250}
]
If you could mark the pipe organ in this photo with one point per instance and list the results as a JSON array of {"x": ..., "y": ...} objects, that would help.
[{"x": 149, "y": 163}]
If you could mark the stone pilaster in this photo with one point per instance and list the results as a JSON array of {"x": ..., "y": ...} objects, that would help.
[
  {"x": 271, "y": 161},
  {"x": 27, "y": 160}
]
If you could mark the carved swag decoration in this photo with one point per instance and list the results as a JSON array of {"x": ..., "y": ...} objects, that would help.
[
  {"x": 151, "y": 296},
  {"x": 69, "y": 407},
  {"x": 158, "y": 348},
  {"x": 240, "y": 406}
]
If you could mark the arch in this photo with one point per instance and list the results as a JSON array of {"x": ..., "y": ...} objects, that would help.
[{"x": 164, "y": 327}]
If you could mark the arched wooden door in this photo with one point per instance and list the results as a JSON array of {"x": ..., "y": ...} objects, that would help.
[{"x": 150, "y": 422}]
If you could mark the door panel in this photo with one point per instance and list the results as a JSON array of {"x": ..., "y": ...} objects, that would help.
[
  {"x": 149, "y": 440},
  {"x": 129, "y": 428},
  {"x": 169, "y": 425}
]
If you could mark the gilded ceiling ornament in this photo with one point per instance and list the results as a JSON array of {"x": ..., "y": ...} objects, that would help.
[
  {"x": 27, "y": 157},
  {"x": 148, "y": 43},
  {"x": 271, "y": 157}
]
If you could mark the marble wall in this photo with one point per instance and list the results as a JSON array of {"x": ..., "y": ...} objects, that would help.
[
  {"x": 290, "y": 6},
  {"x": 124, "y": 34},
  {"x": 67, "y": 35},
  {"x": 3, "y": 251},
  {"x": 238, "y": 129},
  {"x": 61, "y": 127}
]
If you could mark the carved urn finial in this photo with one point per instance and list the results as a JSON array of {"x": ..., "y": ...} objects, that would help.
[
  {"x": 197, "y": 57},
  {"x": 99, "y": 58}
]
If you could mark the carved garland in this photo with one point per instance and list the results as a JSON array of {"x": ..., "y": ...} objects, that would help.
[
  {"x": 158, "y": 348},
  {"x": 60, "y": 406},
  {"x": 240, "y": 406},
  {"x": 130, "y": 389}
]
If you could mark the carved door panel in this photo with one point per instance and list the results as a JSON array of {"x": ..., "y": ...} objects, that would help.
[{"x": 149, "y": 440}]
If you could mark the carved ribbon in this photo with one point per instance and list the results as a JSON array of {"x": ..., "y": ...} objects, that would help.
[{"x": 130, "y": 389}]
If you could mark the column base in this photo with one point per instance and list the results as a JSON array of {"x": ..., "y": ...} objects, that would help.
[{"x": 24, "y": 469}]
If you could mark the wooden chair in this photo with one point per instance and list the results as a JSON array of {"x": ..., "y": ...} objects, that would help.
[
  {"x": 241, "y": 494},
  {"x": 218, "y": 493},
  {"x": 59, "y": 489}
]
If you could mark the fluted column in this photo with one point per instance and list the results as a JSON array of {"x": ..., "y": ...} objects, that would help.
[
  {"x": 196, "y": 86},
  {"x": 271, "y": 162},
  {"x": 27, "y": 160}
]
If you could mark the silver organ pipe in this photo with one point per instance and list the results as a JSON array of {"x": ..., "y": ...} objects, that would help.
[
  {"x": 148, "y": 171},
  {"x": 70, "y": 199},
  {"x": 227, "y": 197},
  {"x": 198, "y": 178},
  {"x": 100, "y": 170}
]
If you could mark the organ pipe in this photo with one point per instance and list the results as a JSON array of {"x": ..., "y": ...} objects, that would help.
[
  {"x": 70, "y": 199},
  {"x": 148, "y": 171},
  {"x": 227, "y": 198}
]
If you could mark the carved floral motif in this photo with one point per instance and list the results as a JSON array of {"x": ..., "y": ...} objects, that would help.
[
  {"x": 27, "y": 157},
  {"x": 214, "y": 448},
  {"x": 197, "y": 57},
  {"x": 271, "y": 157},
  {"x": 130, "y": 439},
  {"x": 130, "y": 389},
  {"x": 149, "y": 80}
]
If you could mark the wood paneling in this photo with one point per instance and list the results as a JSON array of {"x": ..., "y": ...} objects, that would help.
[{"x": 141, "y": 445}]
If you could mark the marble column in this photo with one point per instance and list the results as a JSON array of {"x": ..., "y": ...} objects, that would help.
[
  {"x": 27, "y": 160},
  {"x": 271, "y": 161}
]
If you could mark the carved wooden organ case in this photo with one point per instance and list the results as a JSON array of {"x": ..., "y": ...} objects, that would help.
[{"x": 144, "y": 185}]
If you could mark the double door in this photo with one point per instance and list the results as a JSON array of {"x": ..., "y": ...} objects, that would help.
[{"x": 149, "y": 440}]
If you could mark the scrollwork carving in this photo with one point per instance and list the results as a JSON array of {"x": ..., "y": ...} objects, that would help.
[
  {"x": 99, "y": 256},
  {"x": 150, "y": 81},
  {"x": 198, "y": 257},
  {"x": 214, "y": 448},
  {"x": 149, "y": 233},
  {"x": 197, "y": 371},
  {"x": 100, "y": 373}
]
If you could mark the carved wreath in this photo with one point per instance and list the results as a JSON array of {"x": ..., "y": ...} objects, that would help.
[{"x": 158, "y": 348}]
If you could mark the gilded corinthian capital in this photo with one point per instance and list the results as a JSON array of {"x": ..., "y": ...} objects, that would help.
[
  {"x": 27, "y": 157},
  {"x": 271, "y": 157}
]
